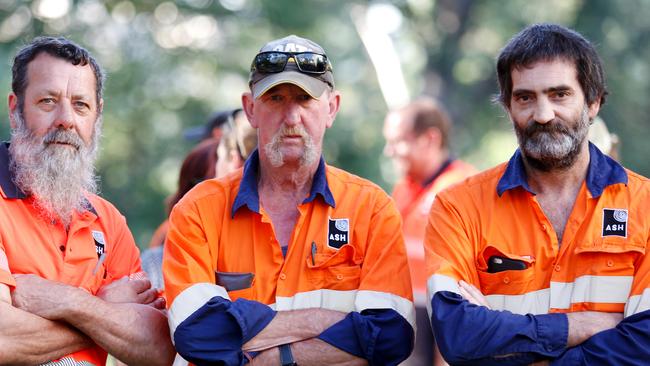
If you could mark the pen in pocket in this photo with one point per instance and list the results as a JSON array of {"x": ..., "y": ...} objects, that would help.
[
  {"x": 102, "y": 257},
  {"x": 313, "y": 253}
]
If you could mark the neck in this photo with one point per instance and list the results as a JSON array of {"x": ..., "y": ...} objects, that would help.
[
  {"x": 558, "y": 180},
  {"x": 431, "y": 167},
  {"x": 290, "y": 178}
]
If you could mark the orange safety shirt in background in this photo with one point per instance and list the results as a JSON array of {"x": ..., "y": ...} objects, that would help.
[
  {"x": 414, "y": 201},
  {"x": 34, "y": 245},
  {"x": 346, "y": 251}
]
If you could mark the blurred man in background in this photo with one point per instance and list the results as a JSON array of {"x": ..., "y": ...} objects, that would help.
[
  {"x": 289, "y": 260},
  {"x": 66, "y": 253},
  {"x": 544, "y": 258},
  {"x": 417, "y": 141}
]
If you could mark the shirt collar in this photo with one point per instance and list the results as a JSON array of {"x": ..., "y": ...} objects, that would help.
[
  {"x": 248, "y": 194},
  {"x": 603, "y": 171},
  {"x": 10, "y": 188},
  {"x": 438, "y": 172}
]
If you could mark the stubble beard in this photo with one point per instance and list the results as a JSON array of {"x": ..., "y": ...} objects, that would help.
[
  {"x": 57, "y": 177},
  {"x": 554, "y": 145},
  {"x": 274, "y": 152}
]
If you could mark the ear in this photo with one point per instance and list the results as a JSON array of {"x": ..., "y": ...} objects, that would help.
[
  {"x": 12, "y": 104},
  {"x": 593, "y": 110},
  {"x": 434, "y": 136},
  {"x": 334, "y": 103},
  {"x": 247, "y": 102}
]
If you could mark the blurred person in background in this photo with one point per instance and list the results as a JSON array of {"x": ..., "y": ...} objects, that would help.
[
  {"x": 66, "y": 254},
  {"x": 198, "y": 166},
  {"x": 237, "y": 144},
  {"x": 418, "y": 142},
  {"x": 544, "y": 259},
  {"x": 289, "y": 260}
]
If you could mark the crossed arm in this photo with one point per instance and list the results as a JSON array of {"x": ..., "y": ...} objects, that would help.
[{"x": 125, "y": 322}]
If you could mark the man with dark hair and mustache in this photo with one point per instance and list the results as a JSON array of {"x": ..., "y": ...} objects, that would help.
[
  {"x": 543, "y": 259},
  {"x": 69, "y": 269},
  {"x": 289, "y": 260}
]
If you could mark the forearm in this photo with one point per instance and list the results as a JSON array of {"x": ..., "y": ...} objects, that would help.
[
  {"x": 293, "y": 326},
  {"x": 310, "y": 352},
  {"x": 19, "y": 344},
  {"x": 626, "y": 344},
  {"x": 135, "y": 334}
]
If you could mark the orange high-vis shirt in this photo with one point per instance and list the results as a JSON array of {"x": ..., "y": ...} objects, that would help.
[
  {"x": 414, "y": 202},
  {"x": 346, "y": 251},
  {"x": 600, "y": 265},
  {"x": 34, "y": 245}
]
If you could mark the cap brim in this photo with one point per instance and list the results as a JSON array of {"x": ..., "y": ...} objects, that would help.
[{"x": 314, "y": 87}]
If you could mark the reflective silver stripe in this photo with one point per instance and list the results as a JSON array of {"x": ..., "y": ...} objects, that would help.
[
  {"x": 180, "y": 361},
  {"x": 347, "y": 301},
  {"x": 68, "y": 361},
  {"x": 638, "y": 303},
  {"x": 534, "y": 302},
  {"x": 324, "y": 299},
  {"x": 383, "y": 300},
  {"x": 438, "y": 282},
  {"x": 190, "y": 300},
  {"x": 597, "y": 289}
]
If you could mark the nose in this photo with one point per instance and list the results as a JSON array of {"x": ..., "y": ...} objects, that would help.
[
  {"x": 292, "y": 114},
  {"x": 544, "y": 112},
  {"x": 64, "y": 117}
]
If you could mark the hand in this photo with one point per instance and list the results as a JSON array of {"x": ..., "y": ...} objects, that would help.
[
  {"x": 45, "y": 298},
  {"x": 472, "y": 294},
  {"x": 583, "y": 325},
  {"x": 125, "y": 290}
]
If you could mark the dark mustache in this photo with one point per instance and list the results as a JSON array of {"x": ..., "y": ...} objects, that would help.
[
  {"x": 552, "y": 127},
  {"x": 63, "y": 137}
]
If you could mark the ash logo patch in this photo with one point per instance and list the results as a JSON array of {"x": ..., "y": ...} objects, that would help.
[
  {"x": 100, "y": 242},
  {"x": 338, "y": 233},
  {"x": 614, "y": 222}
]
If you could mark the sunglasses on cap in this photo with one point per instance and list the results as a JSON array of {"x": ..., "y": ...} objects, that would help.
[{"x": 275, "y": 61}]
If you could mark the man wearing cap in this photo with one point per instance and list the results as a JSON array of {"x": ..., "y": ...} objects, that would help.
[
  {"x": 66, "y": 254},
  {"x": 289, "y": 260}
]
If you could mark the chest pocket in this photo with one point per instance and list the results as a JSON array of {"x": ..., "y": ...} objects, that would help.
[
  {"x": 506, "y": 282},
  {"x": 609, "y": 257},
  {"x": 340, "y": 270}
]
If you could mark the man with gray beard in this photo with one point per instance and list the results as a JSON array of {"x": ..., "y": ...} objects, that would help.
[
  {"x": 290, "y": 260},
  {"x": 544, "y": 259},
  {"x": 71, "y": 287}
]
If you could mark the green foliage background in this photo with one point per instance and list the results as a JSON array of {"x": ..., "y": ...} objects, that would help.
[{"x": 171, "y": 64}]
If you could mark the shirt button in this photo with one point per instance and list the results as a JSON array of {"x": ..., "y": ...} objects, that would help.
[
  {"x": 506, "y": 280},
  {"x": 610, "y": 263},
  {"x": 62, "y": 248},
  {"x": 339, "y": 276},
  {"x": 544, "y": 227},
  {"x": 283, "y": 276},
  {"x": 557, "y": 268}
]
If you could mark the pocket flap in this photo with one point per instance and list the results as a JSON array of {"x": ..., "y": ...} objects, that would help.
[
  {"x": 345, "y": 255},
  {"x": 610, "y": 246},
  {"x": 491, "y": 250},
  {"x": 233, "y": 281}
]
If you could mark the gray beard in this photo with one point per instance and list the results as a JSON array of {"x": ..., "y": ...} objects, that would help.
[
  {"x": 272, "y": 149},
  {"x": 552, "y": 146},
  {"x": 57, "y": 177}
]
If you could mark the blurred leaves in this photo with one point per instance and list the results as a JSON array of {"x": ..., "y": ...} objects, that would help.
[{"x": 171, "y": 64}]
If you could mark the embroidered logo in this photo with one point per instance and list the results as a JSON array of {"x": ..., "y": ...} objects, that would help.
[
  {"x": 614, "y": 222},
  {"x": 338, "y": 233},
  {"x": 100, "y": 242}
]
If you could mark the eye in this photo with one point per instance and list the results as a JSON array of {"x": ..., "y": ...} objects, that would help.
[
  {"x": 304, "y": 97},
  {"x": 81, "y": 105},
  {"x": 47, "y": 101}
]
